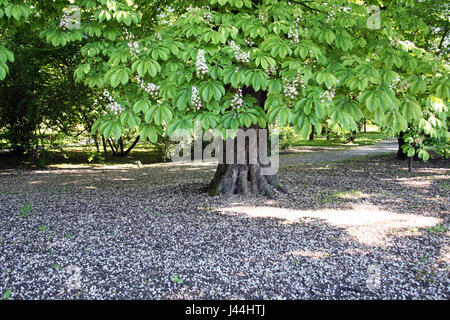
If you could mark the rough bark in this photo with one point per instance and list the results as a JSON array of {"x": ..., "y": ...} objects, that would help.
[{"x": 244, "y": 177}]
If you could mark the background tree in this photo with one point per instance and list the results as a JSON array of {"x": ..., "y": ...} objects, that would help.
[
  {"x": 12, "y": 14},
  {"x": 427, "y": 28},
  {"x": 39, "y": 92}
]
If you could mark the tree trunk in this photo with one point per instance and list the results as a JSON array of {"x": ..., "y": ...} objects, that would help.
[
  {"x": 248, "y": 168},
  {"x": 121, "y": 146},
  {"x": 352, "y": 137},
  {"x": 235, "y": 176},
  {"x": 132, "y": 145},
  {"x": 97, "y": 146},
  {"x": 311, "y": 135},
  {"x": 400, "y": 154},
  {"x": 111, "y": 145},
  {"x": 104, "y": 147}
]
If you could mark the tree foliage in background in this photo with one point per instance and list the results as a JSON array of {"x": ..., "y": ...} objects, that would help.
[
  {"x": 12, "y": 14},
  {"x": 427, "y": 27},
  {"x": 39, "y": 91}
]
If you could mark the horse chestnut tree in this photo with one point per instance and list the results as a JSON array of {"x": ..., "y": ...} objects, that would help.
[{"x": 243, "y": 64}]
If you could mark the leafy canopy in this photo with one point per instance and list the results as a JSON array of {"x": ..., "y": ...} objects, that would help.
[{"x": 316, "y": 60}]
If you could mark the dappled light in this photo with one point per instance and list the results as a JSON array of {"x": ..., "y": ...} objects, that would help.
[
  {"x": 366, "y": 223},
  {"x": 309, "y": 254}
]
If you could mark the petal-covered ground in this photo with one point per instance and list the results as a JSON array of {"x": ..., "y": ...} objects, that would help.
[{"x": 351, "y": 229}]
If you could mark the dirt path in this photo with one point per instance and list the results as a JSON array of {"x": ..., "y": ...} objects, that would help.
[{"x": 381, "y": 147}]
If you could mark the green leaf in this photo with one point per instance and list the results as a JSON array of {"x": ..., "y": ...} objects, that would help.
[
  {"x": 411, "y": 110},
  {"x": 150, "y": 114},
  {"x": 108, "y": 129},
  {"x": 148, "y": 131},
  {"x": 163, "y": 114},
  {"x": 424, "y": 155},
  {"x": 3, "y": 71},
  {"x": 329, "y": 36},
  {"x": 182, "y": 98},
  {"x": 116, "y": 130},
  {"x": 417, "y": 85},
  {"x": 16, "y": 12},
  {"x": 305, "y": 129},
  {"x": 141, "y": 105},
  {"x": 7, "y": 294}
]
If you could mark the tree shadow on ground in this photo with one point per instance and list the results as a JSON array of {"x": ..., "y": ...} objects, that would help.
[{"x": 294, "y": 247}]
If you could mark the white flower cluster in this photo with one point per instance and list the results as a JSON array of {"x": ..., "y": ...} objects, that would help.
[
  {"x": 290, "y": 88},
  {"x": 65, "y": 22},
  {"x": 270, "y": 70},
  {"x": 113, "y": 106},
  {"x": 195, "y": 98},
  {"x": 207, "y": 17},
  {"x": 263, "y": 15},
  {"x": 158, "y": 36},
  {"x": 331, "y": 15},
  {"x": 237, "y": 101},
  {"x": 249, "y": 42},
  {"x": 151, "y": 88},
  {"x": 128, "y": 35},
  {"x": 394, "y": 43},
  {"x": 134, "y": 47},
  {"x": 327, "y": 95},
  {"x": 200, "y": 63},
  {"x": 192, "y": 9},
  {"x": 240, "y": 55},
  {"x": 399, "y": 85},
  {"x": 298, "y": 12},
  {"x": 293, "y": 35},
  {"x": 132, "y": 44}
]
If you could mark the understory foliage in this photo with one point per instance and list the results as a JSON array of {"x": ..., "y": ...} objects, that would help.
[{"x": 165, "y": 66}]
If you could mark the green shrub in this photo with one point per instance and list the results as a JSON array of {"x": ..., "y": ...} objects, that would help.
[{"x": 287, "y": 137}]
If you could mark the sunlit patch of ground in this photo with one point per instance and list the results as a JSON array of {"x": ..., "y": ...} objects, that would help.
[
  {"x": 353, "y": 194},
  {"x": 445, "y": 254},
  {"x": 309, "y": 254},
  {"x": 366, "y": 223}
]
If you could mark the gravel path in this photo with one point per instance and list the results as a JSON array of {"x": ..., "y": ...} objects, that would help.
[{"x": 348, "y": 230}]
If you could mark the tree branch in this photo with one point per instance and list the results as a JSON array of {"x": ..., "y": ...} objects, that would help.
[
  {"x": 443, "y": 38},
  {"x": 302, "y": 3}
]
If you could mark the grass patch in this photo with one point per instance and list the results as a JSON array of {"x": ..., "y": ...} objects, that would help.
[
  {"x": 327, "y": 198},
  {"x": 439, "y": 228},
  {"x": 25, "y": 211},
  {"x": 362, "y": 139},
  {"x": 445, "y": 184},
  {"x": 352, "y": 194},
  {"x": 80, "y": 157},
  {"x": 337, "y": 196},
  {"x": 176, "y": 279}
]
